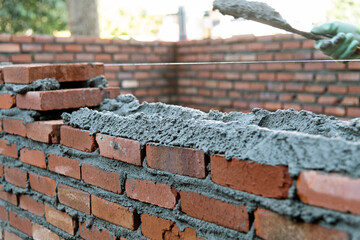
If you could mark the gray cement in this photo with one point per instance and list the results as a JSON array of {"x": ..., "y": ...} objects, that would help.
[
  {"x": 38, "y": 85},
  {"x": 300, "y": 140},
  {"x": 259, "y": 12}
]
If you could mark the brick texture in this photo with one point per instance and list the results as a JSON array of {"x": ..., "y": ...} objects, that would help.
[
  {"x": 213, "y": 210},
  {"x": 60, "y": 219},
  {"x": 270, "y": 225},
  {"x": 16, "y": 176},
  {"x": 21, "y": 223},
  {"x": 64, "y": 166},
  {"x": 6, "y": 101},
  {"x": 77, "y": 138},
  {"x": 122, "y": 149},
  {"x": 44, "y": 131},
  {"x": 93, "y": 233},
  {"x": 160, "y": 194},
  {"x": 104, "y": 179},
  {"x": 8, "y": 196},
  {"x": 60, "y": 99},
  {"x": 114, "y": 213},
  {"x": 74, "y": 198},
  {"x": 41, "y": 233},
  {"x": 329, "y": 191},
  {"x": 183, "y": 161},
  {"x": 14, "y": 126},
  {"x": 8, "y": 149},
  {"x": 33, "y": 157},
  {"x": 25, "y": 74},
  {"x": 264, "y": 180},
  {"x": 29, "y": 204},
  {"x": 42, "y": 184}
]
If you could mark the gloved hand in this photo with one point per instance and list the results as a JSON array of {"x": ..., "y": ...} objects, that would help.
[{"x": 342, "y": 45}]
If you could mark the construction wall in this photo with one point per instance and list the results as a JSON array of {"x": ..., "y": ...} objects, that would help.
[
  {"x": 155, "y": 171},
  {"x": 327, "y": 88}
]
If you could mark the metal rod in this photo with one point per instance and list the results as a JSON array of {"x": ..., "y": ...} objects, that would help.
[{"x": 232, "y": 62}]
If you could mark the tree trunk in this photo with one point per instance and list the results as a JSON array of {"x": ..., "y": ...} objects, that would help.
[{"x": 83, "y": 17}]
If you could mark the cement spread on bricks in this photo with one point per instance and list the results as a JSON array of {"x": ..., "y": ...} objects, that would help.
[
  {"x": 300, "y": 140},
  {"x": 38, "y": 85}
]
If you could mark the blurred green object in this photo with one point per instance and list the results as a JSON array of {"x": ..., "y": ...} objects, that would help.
[
  {"x": 345, "y": 39},
  {"x": 32, "y": 16}
]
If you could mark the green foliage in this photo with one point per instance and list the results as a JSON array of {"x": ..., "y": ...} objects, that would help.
[
  {"x": 346, "y": 11},
  {"x": 36, "y": 16}
]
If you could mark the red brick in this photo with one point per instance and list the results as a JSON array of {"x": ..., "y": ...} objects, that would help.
[
  {"x": 114, "y": 213},
  {"x": 159, "y": 194},
  {"x": 313, "y": 66},
  {"x": 29, "y": 47},
  {"x": 107, "y": 180},
  {"x": 77, "y": 138},
  {"x": 337, "y": 89},
  {"x": 122, "y": 149},
  {"x": 121, "y": 57},
  {"x": 325, "y": 77},
  {"x": 33, "y": 157},
  {"x": 44, "y": 57},
  {"x": 74, "y": 198},
  {"x": 157, "y": 228},
  {"x": 270, "y": 225},
  {"x": 25, "y": 74},
  {"x": 264, "y": 180},
  {"x": 41, "y": 233},
  {"x": 103, "y": 57},
  {"x": 14, "y": 126},
  {"x": 8, "y": 197},
  {"x": 42, "y": 184},
  {"x": 327, "y": 99},
  {"x": 64, "y": 166},
  {"x": 306, "y": 98},
  {"x": 6, "y": 101},
  {"x": 337, "y": 111},
  {"x": 353, "y": 112},
  {"x": 313, "y": 108},
  {"x": 349, "y": 76},
  {"x": 1, "y": 171},
  {"x": 92, "y": 48},
  {"x": 21, "y": 58},
  {"x": 44, "y": 131},
  {"x": 29, "y": 204},
  {"x": 84, "y": 39},
  {"x": 272, "y": 106},
  {"x": 11, "y": 236},
  {"x": 266, "y": 76},
  {"x": 4, "y": 215},
  {"x": 66, "y": 57},
  {"x": 84, "y": 57},
  {"x": 294, "y": 87},
  {"x": 351, "y": 101},
  {"x": 354, "y": 89},
  {"x": 73, "y": 48},
  {"x": 60, "y": 99},
  {"x": 60, "y": 220},
  {"x": 94, "y": 233},
  {"x": 53, "y": 48},
  {"x": 16, "y": 176},
  {"x": 215, "y": 211},
  {"x": 315, "y": 88},
  {"x": 183, "y": 161},
  {"x": 21, "y": 38},
  {"x": 9, "y": 47},
  {"x": 331, "y": 191},
  {"x": 65, "y": 39},
  {"x": 5, "y": 37},
  {"x": 21, "y": 223},
  {"x": 285, "y": 76}
]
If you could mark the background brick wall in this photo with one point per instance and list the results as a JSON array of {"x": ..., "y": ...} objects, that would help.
[
  {"x": 61, "y": 182},
  {"x": 327, "y": 88}
]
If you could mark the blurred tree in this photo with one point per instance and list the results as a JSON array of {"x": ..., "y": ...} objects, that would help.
[
  {"x": 32, "y": 16},
  {"x": 138, "y": 23},
  {"x": 83, "y": 17},
  {"x": 346, "y": 11}
]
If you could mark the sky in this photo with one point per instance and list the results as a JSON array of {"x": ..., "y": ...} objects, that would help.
[{"x": 302, "y": 14}]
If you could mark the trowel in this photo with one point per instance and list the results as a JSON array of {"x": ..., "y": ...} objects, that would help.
[{"x": 262, "y": 13}]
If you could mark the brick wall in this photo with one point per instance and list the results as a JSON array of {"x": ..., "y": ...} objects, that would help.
[
  {"x": 62, "y": 182},
  {"x": 327, "y": 88},
  {"x": 148, "y": 83}
]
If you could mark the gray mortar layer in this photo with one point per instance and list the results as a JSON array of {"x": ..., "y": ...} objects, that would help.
[
  {"x": 299, "y": 140},
  {"x": 291, "y": 208}
]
